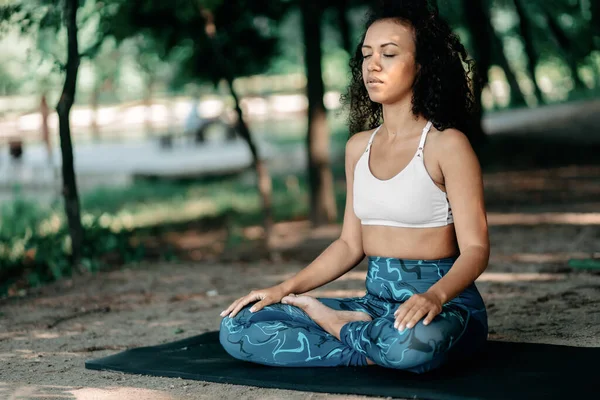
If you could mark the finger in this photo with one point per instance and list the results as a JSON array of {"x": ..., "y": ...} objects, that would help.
[
  {"x": 289, "y": 295},
  {"x": 242, "y": 304},
  {"x": 416, "y": 318},
  {"x": 402, "y": 310},
  {"x": 430, "y": 316},
  {"x": 407, "y": 318},
  {"x": 402, "y": 316},
  {"x": 260, "y": 305},
  {"x": 231, "y": 307}
]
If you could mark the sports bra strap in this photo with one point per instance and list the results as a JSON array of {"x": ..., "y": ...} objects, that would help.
[
  {"x": 371, "y": 139},
  {"x": 421, "y": 142},
  {"x": 423, "y": 137}
]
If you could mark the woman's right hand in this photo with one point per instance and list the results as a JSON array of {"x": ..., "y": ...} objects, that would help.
[{"x": 266, "y": 296}]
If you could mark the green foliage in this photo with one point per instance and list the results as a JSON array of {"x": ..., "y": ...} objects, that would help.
[
  {"x": 35, "y": 246},
  {"x": 246, "y": 30}
]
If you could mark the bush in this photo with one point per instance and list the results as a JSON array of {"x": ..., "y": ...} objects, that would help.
[{"x": 35, "y": 247}]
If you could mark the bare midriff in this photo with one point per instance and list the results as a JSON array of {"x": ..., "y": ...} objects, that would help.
[{"x": 410, "y": 243}]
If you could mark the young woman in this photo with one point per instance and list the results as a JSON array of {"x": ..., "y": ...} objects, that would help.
[{"x": 414, "y": 207}]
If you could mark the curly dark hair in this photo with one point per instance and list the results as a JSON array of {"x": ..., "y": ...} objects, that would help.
[{"x": 442, "y": 87}]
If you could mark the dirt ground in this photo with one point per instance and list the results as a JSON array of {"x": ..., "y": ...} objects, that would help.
[{"x": 538, "y": 221}]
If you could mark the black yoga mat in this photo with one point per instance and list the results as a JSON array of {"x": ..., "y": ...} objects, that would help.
[{"x": 503, "y": 370}]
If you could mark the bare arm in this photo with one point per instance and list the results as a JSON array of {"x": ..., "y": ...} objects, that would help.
[
  {"x": 340, "y": 257},
  {"x": 462, "y": 177},
  {"x": 345, "y": 252},
  {"x": 464, "y": 185}
]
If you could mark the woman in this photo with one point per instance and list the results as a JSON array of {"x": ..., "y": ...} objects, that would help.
[{"x": 414, "y": 207}]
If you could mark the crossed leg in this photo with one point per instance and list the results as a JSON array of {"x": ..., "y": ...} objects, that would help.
[
  {"x": 283, "y": 334},
  {"x": 419, "y": 349}
]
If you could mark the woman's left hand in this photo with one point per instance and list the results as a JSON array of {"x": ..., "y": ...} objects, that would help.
[{"x": 419, "y": 305}]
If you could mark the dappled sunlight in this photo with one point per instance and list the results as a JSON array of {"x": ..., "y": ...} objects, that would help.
[
  {"x": 47, "y": 335},
  {"x": 34, "y": 392},
  {"x": 573, "y": 171},
  {"x": 193, "y": 239},
  {"x": 166, "y": 323},
  {"x": 37, "y": 334},
  {"x": 485, "y": 277},
  {"x": 9, "y": 335},
  {"x": 541, "y": 257},
  {"x": 10, "y": 390},
  {"x": 173, "y": 279},
  {"x": 6, "y": 356},
  {"x": 119, "y": 393},
  {"x": 519, "y": 277},
  {"x": 496, "y": 218},
  {"x": 288, "y": 241}
]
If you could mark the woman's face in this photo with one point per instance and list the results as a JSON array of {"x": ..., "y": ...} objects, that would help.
[{"x": 389, "y": 61}]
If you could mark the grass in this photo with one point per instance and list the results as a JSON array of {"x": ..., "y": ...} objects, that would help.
[{"x": 34, "y": 241}]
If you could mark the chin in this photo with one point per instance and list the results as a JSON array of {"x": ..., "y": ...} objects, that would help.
[
  {"x": 378, "y": 97},
  {"x": 383, "y": 98}
]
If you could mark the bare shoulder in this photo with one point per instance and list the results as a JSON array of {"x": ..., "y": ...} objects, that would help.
[
  {"x": 449, "y": 141},
  {"x": 357, "y": 144}
]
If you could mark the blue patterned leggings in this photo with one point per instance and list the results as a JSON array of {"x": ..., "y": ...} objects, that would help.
[{"x": 284, "y": 335}]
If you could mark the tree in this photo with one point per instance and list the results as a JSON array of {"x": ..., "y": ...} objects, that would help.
[
  {"x": 41, "y": 17},
  {"x": 564, "y": 46},
  {"x": 63, "y": 108},
  {"x": 322, "y": 200},
  {"x": 262, "y": 173},
  {"x": 526, "y": 33},
  {"x": 341, "y": 8},
  {"x": 58, "y": 14},
  {"x": 244, "y": 28}
]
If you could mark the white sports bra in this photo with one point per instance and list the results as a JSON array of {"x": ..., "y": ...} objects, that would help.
[{"x": 409, "y": 199}]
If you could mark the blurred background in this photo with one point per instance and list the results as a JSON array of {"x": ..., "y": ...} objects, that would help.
[{"x": 212, "y": 130}]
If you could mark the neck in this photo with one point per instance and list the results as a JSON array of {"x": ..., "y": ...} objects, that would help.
[{"x": 400, "y": 121}]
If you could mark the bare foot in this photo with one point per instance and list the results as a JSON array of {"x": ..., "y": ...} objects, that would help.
[{"x": 327, "y": 318}]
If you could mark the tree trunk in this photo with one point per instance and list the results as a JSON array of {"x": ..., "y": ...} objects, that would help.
[
  {"x": 485, "y": 38},
  {"x": 95, "y": 130},
  {"x": 516, "y": 96},
  {"x": 562, "y": 42},
  {"x": 481, "y": 40},
  {"x": 322, "y": 199},
  {"x": 63, "y": 109},
  {"x": 148, "y": 94},
  {"x": 44, "y": 112},
  {"x": 344, "y": 24},
  {"x": 532, "y": 55},
  {"x": 595, "y": 20},
  {"x": 262, "y": 173}
]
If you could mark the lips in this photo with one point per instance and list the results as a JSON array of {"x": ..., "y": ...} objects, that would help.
[{"x": 372, "y": 79}]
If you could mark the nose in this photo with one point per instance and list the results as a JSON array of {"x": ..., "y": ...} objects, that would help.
[{"x": 373, "y": 63}]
